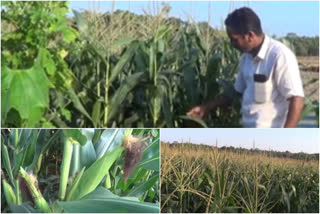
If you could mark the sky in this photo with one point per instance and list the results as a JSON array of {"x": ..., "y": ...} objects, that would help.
[
  {"x": 277, "y": 17},
  {"x": 293, "y": 140}
]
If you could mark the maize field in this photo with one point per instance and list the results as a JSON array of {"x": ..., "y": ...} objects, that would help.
[
  {"x": 115, "y": 69},
  {"x": 110, "y": 70},
  {"x": 198, "y": 180}
]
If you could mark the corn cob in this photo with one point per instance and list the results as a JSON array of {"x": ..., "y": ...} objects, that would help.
[
  {"x": 37, "y": 197},
  {"x": 8, "y": 191}
]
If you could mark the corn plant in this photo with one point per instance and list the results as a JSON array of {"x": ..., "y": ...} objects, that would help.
[
  {"x": 166, "y": 73},
  {"x": 92, "y": 164}
]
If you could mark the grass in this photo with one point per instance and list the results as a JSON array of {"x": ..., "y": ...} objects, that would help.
[{"x": 194, "y": 179}]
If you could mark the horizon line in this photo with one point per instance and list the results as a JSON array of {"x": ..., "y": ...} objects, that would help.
[{"x": 238, "y": 147}]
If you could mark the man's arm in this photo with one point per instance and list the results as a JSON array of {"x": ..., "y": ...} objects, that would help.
[
  {"x": 295, "y": 108},
  {"x": 220, "y": 101}
]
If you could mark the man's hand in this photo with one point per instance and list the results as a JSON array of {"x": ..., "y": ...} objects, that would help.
[
  {"x": 198, "y": 111},
  {"x": 202, "y": 110},
  {"x": 294, "y": 112}
]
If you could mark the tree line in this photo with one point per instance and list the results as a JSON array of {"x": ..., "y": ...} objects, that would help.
[
  {"x": 303, "y": 45},
  {"x": 255, "y": 151}
]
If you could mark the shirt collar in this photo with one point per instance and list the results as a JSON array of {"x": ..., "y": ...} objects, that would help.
[{"x": 263, "y": 50}]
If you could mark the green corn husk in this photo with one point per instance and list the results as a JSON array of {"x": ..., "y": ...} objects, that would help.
[
  {"x": 107, "y": 182},
  {"x": 8, "y": 192},
  {"x": 65, "y": 168},
  {"x": 6, "y": 161},
  {"x": 37, "y": 197}
]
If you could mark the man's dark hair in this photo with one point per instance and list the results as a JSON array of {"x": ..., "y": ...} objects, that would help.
[{"x": 243, "y": 20}]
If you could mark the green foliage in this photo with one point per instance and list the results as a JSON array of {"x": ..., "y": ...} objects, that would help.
[
  {"x": 82, "y": 176},
  {"x": 304, "y": 46},
  {"x": 111, "y": 70},
  {"x": 98, "y": 199},
  {"x": 168, "y": 71},
  {"x": 33, "y": 48},
  {"x": 26, "y": 91},
  {"x": 311, "y": 107},
  {"x": 127, "y": 77}
]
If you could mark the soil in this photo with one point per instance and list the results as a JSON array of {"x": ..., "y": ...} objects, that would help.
[
  {"x": 309, "y": 67},
  {"x": 310, "y": 63}
]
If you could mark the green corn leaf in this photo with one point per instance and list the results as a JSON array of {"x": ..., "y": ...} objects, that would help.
[
  {"x": 125, "y": 58},
  {"x": 87, "y": 152},
  {"x": 134, "y": 178},
  {"x": 121, "y": 94},
  {"x": 168, "y": 115},
  {"x": 106, "y": 138},
  {"x": 6, "y": 161},
  {"x": 31, "y": 149},
  {"x": 122, "y": 42},
  {"x": 74, "y": 185},
  {"x": 42, "y": 145},
  {"x": 23, "y": 208},
  {"x": 75, "y": 135},
  {"x": 143, "y": 187},
  {"x": 75, "y": 160},
  {"x": 103, "y": 201},
  {"x": 85, "y": 155},
  {"x": 77, "y": 103},
  {"x": 197, "y": 121},
  {"x": 94, "y": 175},
  {"x": 96, "y": 112},
  {"x": 151, "y": 156}
]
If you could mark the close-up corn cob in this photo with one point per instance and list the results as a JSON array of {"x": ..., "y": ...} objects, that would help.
[
  {"x": 8, "y": 191},
  {"x": 32, "y": 185},
  {"x": 80, "y": 170}
]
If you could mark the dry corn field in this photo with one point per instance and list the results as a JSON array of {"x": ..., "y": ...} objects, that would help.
[{"x": 202, "y": 179}]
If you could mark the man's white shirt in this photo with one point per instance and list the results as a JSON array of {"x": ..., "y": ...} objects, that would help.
[{"x": 280, "y": 65}]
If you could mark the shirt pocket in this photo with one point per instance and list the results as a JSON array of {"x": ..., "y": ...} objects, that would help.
[{"x": 262, "y": 88}]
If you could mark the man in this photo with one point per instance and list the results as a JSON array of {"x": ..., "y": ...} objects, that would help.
[{"x": 269, "y": 80}]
